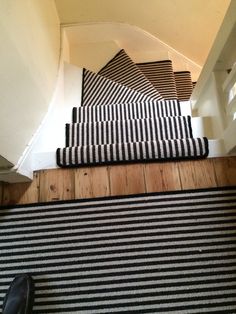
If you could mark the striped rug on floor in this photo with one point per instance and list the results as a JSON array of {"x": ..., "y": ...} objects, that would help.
[{"x": 171, "y": 252}]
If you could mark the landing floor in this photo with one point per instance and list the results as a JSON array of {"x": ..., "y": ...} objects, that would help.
[{"x": 65, "y": 184}]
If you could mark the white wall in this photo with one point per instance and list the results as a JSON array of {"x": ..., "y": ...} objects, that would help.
[
  {"x": 208, "y": 98},
  {"x": 29, "y": 58},
  {"x": 93, "y": 45},
  {"x": 189, "y": 26},
  {"x": 92, "y": 56}
]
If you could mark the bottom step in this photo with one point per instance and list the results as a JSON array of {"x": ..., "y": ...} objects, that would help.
[{"x": 190, "y": 148}]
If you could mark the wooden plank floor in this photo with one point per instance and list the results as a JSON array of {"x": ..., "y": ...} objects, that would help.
[{"x": 65, "y": 184}]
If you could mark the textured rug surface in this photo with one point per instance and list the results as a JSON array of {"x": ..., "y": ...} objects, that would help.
[
  {"x": 126, "y": 111},
  {"x": 123, "y": 70},
  {"x": 99, "y": 90},
  {"x": 161, "y": 75},
  {"x": 154, "y": 253},
  {"x": 107, "y": 154},
  {"x": 122, "y": 117},
  {"x": 126, "y": 131},
  {"x": 184, "y": 85}
]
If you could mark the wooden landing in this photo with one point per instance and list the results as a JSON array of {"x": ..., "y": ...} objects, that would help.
[{"x": 66, "y": 184}]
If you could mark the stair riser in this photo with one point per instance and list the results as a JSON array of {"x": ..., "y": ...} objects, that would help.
[
  {"x": 123, "y": 70},
  {"x": 123, "y": 117},
  {"x": 127, "y": 131},
  {"x": 126, "y": 111},
  {"x": 132, "y": 152},
  {"x": 161, "y": 75},
  {"x": 184, "y": 85}
]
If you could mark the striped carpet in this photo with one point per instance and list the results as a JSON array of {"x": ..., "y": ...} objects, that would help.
[
  {"x": 171, "y": 252},
  {"x": 145, "y": 151},
  {"x": 99, "y": 90},
  {"x": 126, "y": 111},
  {"x": 161, "y": 75},
  {"x": 123, "y": 70},
  {"x": 123, "y": 118},
  {"x": 126, "y": 131},
  {"x": 184, "y": 85}
]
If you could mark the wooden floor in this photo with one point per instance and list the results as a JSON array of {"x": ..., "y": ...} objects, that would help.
[{"x": 66, "y": 184}]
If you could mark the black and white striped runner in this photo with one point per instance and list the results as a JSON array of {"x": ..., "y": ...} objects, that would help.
[
  {"x": 89, "y": 155},
  {"x": 126, "y": 111},
  {"x": 169, "y": 252},
  {"x": 184, "y": 85},
  {"x": 123, "y": 70},
  {"x": 127, "y": 131},
  {"x": 98, "y": 90},
  {"x": 123, "y": 118},
  {"x": 161, "y": 75}
]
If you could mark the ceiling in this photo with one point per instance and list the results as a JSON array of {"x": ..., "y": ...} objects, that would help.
[{"x": 188, "y": 26}]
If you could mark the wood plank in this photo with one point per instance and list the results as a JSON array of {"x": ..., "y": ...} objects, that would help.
[
  {"x": 197, "y": 174},
  {"x": 127, "y": 179},
  {"x": 21, "y": 193},
  {"x": 56, "y": 184},
  {"x": 91, "y": 182},
  {"x": 100, "y": 182},
  {"x": 162, "y": 177},
  {"x": 225, "y": 170}
]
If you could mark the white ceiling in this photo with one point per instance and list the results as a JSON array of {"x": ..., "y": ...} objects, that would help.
[{"x": 188, "y": 26}]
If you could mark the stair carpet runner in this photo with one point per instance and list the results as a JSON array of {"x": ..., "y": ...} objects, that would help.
[
  {"x": 129, "y": 114},
  {"x": 184, "y": 85},
  {"x": 162, "y": 77}
]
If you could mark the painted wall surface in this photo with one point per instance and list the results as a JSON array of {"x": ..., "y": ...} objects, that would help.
[
  {"x": 92, "y": 56},
  {"x": 188, "y": 26},
  {"x": 211, "y": 107},
  {"x": 92, "y": 45},
  {"x": 29, "y": 57}
]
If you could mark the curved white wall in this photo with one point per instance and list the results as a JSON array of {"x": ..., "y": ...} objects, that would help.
[{"x": 29, "y": 58}]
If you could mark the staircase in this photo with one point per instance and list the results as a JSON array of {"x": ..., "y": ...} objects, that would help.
[{"x": 131, "y": 113}]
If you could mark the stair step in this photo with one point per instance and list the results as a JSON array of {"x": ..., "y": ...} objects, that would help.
[
  {"x": 184, "y": 85},
  {"x": 125, "y": 131},
  {"x": 177, "y": 149},
  {"x": 47, "y": 160},
  {"x": 161, "y": 75},
  {"x": 125, "y": 111},
  {"x": 216, "y": 148},
  {"x": 98, "y": 90},
  {"x": 123, "y": 70}
]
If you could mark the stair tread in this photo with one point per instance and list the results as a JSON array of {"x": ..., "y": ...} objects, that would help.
[
  {"x": 97, "y": 90},
  {"x": 123, "y": 70},
  {"x": 141, "y": 109},
  {"x": 123, "y": 117},
  {"x": 176, "y": 149},
  {"x": 161, "y": 75}
]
